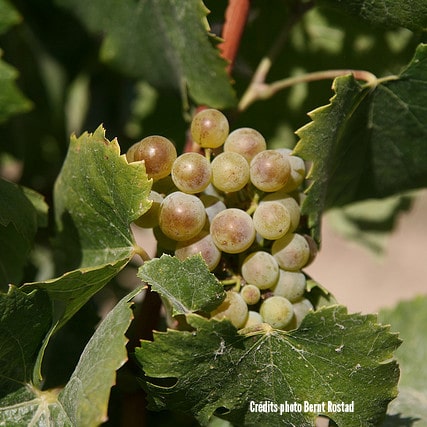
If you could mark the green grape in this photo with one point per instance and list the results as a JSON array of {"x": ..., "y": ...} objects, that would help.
[
  {"x": 232, "y": 308},
  {"x": 269, "y": 170},
  {"x": 301, "y": 309},
  {"x": 272, "y": 220},
  {"x": 182, "y": 216},
  {"x": 254, "y": 318},
  {"x": 158, "y": 154},
  {"x": 251, "y": 294},
  {"x": 291, "y": 285},
  {"x": 277, "y": 312},
  {"x": 260, "y": 269},
  {"x": 203, "y": 244},
  {"x": 232, "y": 231},
  {"x": 230, "y": 172},
  {"x": 313, "y": 248},
  {"x": 209, "y": 128},
  {"x": 291, "y": 251},
  {"x": 291, "y": 205},
  {"x": 151, "y": 218},
  {"x": 246, "y": 141},
  {"x": 298, "y": 171},
  {"x": 191, "y": 173}
]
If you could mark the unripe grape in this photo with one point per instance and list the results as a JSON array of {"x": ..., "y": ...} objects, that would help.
[
  {"x": 301, "y": 309},
  {"x": 151, "y": 218},
  {"x": 291, "y": 252},
  {"x": 276, "y": 311},
  {"x": 260, "y": 269},
  {"x": 232, "y": 308},
  {"x": 230, "y": 172},
  {"x": 291, "y": 285},
  {"x": 209, "y": 128},
  {"x": 203, "y": 244},
  {"x": 254, "y": 318},
  {"x": 191, "y": 173},
  {"x": 232, "y": 231},
  {"x": 246, "y": 141},
  {"x": 271, "y": 220},
  {"x": 269, "y": 170},
  {"x": 182, "y": 216},
  {"x": 291, "y": 205},
  {"x": 251, "y": 294},
  {"x": 298, "y": 171},
  {"x": 158, "y": 154}
]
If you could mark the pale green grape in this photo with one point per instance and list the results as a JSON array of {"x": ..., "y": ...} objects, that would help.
[
  {"x": 232, "y": 231},
  {"x": 251, "y": 294},
  {"x": 313, "y": 248},
  {"x": 301, "y": 309},
  {"x": 291, "y": 205},
  {"x": 291, "y": 285},
  {"x": 298, "y": 171},
  {"x": 260, "y": 269},
  {"x": 254, "y": 318},
  {"x": 232, "y": 308},
  {"x": 291, "y": 252},
  {"x": 191, "y": 173},
  {"x": 246, "y": 141},
  {"x": 158, "y": 154},
  {"x": 203, "y": 244},
  {"x": 209, "y": 128},
  {"x": 277, "y": 312},
  {"x": 269, "y": 170},
  {"x": 182, "y": 216},
  {"x": 151, "y": 218},
  {"x": 230, "y": 172},
  {"x": 271, "y": 220}
]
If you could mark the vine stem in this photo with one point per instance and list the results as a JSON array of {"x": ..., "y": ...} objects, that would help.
[{"x": 258, "y": 89}]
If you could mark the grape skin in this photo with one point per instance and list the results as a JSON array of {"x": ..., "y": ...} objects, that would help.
[
  {"x": 158, "y": 154},
  {"x": 251, "y": 294},
  {"x": 232, "y": 308},
  {"x": 271, "y": 220},
  {"x": 246, "y": 141},
  {"x": 291, "y": 285},
  {"x": 230, "y": 172},
  {"x": 291, "y": 205},
  {"x": 291, "y": 252},
  {"x": 209, "y": 128},
  {"x": 191, "y": 173},
  {"x": 202, "y": 244},
  {"x": 269, "y": 170},
  {"x": 182, "y": 216},
  {"x": 277, "y": 312},
  {"x": 260, "y": 269},
  {"x": 254, "y": 318},
  {"x": 232, "y": 231},
  {"x": 298, "y": 171}
]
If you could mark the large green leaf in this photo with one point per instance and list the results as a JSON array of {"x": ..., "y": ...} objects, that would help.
[
  {"x": 333, "y": 356},
  {"x": 188, "y": 285},
  {"x": 19, "y": 220},
  {"x": 24, "y": 321},
  {"x": 166, "y": 42},
  {"x": 8, "y": 16},
  {"x": 411, "y": 14},
  {"x": 409, "y": 318},
  {"x": 84, "y": 399},
  {"x": 369, "y": 142}
]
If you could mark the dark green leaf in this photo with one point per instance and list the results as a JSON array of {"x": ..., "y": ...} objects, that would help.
[
  {"x": 409, "y": 318},
  {"x": 166, "y": 42},
  {"x": 187, "y": 285},
  {"x": 8, "y": 16},
  {"x": 411, "y": 14},
  {"x": 333, "y": 357},
  {"x": 24, "y": 321},
  {"x": 368, "y": 142},
  {"x": 18, "y": 225}
]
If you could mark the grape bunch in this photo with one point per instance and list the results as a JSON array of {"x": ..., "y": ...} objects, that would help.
[{"x": 238, "y": 205}]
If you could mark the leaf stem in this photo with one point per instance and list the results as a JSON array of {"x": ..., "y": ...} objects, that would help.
[
  {"x": 141, "y": 252},
  {"x": 258, "y": 89}
]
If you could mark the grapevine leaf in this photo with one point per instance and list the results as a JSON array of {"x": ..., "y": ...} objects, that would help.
[
  {"x": 332, "y": 356},
  {"x": 8, "y": 16},
  {"x": 136, "y": 32},
  {"x": 410, "y": 14},
  {"x": 358, "y": 152},
  {"x": 411, "y": 403},
  {"x": 24, "y": 321},
  {"x": 84, "y": 400},
  {"x": 188, "y": 285},
  {"x": 19, "y": 220}
]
